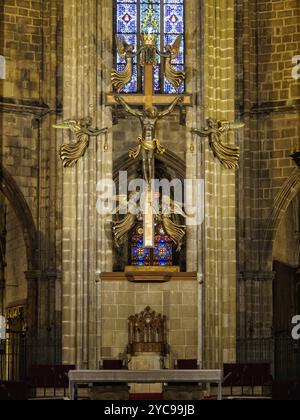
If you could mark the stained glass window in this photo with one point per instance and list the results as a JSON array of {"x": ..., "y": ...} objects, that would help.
[
  {"x": 163, "y": 251},
  {"x": 140, "y": 256},
  {"x": 161, "y": 255},
  {"x": 129, "y": 17}
]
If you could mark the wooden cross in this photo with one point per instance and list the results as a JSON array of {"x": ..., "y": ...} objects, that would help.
[{"x": 149, "y": 99}]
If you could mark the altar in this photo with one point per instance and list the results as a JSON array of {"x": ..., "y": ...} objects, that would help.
[
  {"x": 81, "y": 377},
  {"x": 174, "y": 295}
]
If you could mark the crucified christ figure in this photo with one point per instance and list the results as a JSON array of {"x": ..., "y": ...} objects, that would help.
[{"x": 148, "y": 144}]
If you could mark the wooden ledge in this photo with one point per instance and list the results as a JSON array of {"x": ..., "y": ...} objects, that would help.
[{"x": 148, "y": 277}]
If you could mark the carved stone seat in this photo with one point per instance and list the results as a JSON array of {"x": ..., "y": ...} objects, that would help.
[
  {"x": 147, "y": 333},
  {"x": 147, "y": 346}
]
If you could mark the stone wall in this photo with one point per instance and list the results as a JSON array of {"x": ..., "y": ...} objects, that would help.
[
  {"x": 267, "y": 39},
  {"x": 211, "y": 248},
  {"x": 287, "y": 242},
  {"x": 72, "y": 237},
  {"x": 87, "y": 245},
  {"x": 30, "y": 41},
  {"x": 15, "y": 281},
  {"x": 177, "y": 300}
]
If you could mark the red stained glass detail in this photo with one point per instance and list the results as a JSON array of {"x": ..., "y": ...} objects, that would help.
[
  {"x": 173, "y": 18},
  {"x": 127, "y": 18}
]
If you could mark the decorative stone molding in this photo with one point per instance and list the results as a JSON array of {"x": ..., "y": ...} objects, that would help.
[{"x": 281, "y": 203}]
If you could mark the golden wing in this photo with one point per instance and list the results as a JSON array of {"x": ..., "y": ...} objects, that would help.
[
  {"x": 175, "y": 48},
  {"x": 228, "y": 155},
  {"x": 72, "y": 125},
  {"x": 121, "y": 229},
  {"x": 236, "y": 125},
  {"x": 120, "y": 79},
  {"x": 227, "y": 125},
  {"x": 175, "y": 231},
  {"x": 71, "y": 153},
  {"x": 175, "y": 77},
  {"x": 122, "y": 46}
]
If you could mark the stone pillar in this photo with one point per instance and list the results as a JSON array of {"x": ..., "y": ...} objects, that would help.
[
  {"x": 43, "y": 333},
  {"x": 2, "y": 286},
  {"x": 86, "y": 242},
  {"x": 255, "y": 297},
  {"x": 220, "y": 184},
  {"x": 194, "y": 150},
  {"x": 32, "y": 310}
]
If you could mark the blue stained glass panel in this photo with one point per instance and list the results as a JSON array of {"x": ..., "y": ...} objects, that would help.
[
  {"x": 163, "y": 251},
  {"x": 140, "y": 256},
  {"x": 129, "y": 17}
]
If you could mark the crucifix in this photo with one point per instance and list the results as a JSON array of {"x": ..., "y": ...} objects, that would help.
[{"x": 148, "y": 144}]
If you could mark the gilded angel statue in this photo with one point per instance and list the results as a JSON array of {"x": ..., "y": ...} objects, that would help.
[
  {"x": 121, "y": 79},
  {"x": 122, "y": 227},
  {"x": 228, "y": 155},
  {"x": 175, "y": 77},
  {"x": 72, "y": 152},
  {"x": 166, "y": 215}
]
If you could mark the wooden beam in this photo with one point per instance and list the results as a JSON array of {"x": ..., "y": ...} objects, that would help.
[
  {"x": 149, "y": 276},
  {"x": 139, "y": 99}
]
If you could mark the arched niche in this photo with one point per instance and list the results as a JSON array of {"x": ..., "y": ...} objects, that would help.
[{"x": 167, "y": 166}]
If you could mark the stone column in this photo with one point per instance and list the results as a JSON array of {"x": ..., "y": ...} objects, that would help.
[
  {"x": 86, "y": 243},
  {"x": 220, "y": 183},
  {"x": 256, "y": 305},
  {"x": 194, "y": 150},
  {"x": 2, "y": 286},
  {"x": 32, "y": 310},
  {"x": 255, "y": 297}
]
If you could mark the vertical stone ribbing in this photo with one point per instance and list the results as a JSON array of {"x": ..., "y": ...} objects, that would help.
[
  {"x": 194, "y": 150},
  {"x": 86, "y": 248},
  {"x": 220, "y": 229}
]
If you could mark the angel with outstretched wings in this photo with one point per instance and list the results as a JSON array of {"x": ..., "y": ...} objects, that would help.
[
  {"x": 71, "y": 153},
  {"x": 121, "y": 79},
  {"x": 122, "y": 227},
  {"x": 175, "y": 77},
  {"x": 167, "y": 217},
  {"x": 228, "y": 155}
]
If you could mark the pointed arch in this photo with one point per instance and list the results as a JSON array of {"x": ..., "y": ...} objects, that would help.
[
  {"x": 286, "y": 195},
  {"x": 14, "y": 195}
]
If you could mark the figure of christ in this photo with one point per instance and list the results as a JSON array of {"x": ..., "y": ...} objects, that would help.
[{"x": 148, "y": 143}]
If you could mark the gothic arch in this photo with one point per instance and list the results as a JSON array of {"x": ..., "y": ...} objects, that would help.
[
  {"x": 288, "y": 192},
  {"x": 14, "y": 195},
  {"x": 169, "y": 165}
]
